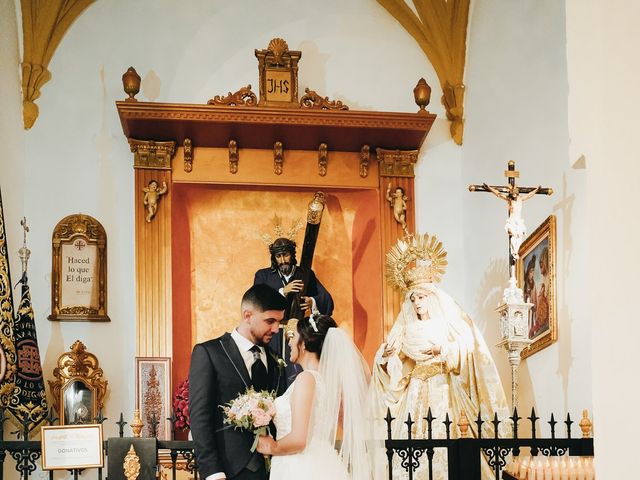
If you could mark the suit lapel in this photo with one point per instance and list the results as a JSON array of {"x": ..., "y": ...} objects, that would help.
[
  {"x": 273, "y": 370},
  {"x": 235, "y": 358}
]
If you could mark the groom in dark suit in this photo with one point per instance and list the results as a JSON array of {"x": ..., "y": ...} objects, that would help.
[{"x": 222, "y": 369}]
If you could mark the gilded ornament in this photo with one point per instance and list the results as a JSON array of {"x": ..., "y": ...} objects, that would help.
[
  {"x": 188, "y": 155},
  {"x": 278, "y": 158},
  {"x": 233, "y": 156},
  {"x": 279, "y": 231},
  {"x": 131, "y": 464},
  {"x": 428, "y": 254},
  {"x": 396, "y": 163},
  {"x": 323, "y": 155},
  {"x": 463, "y": 425},
  {"x": 278, "y": 47},
  {"x": 78, "y": 365},
  {"x": 585, "y": 424},
  {"x": 136, "y": 423},
  {"x": 312, "y": 100},
  {"x": 131, "y": 83},
  {"x": 365, "y": 156},
  {"x": 244, "y": 97},
  {"x": 153, "y": 155},
  {"x": 422, "y": 95},
  {"x": 315, "y": 209}
]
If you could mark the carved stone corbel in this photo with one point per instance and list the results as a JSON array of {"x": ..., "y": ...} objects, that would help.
[
  {"x": 397, "y": 163},
  {"x": 233, "y": 156},
  {"x": 365, "y": 156},
  {"x": 323, "y": 157},
  {"x": 278, "y": 158},
  {"x": 188, "y": 155}
]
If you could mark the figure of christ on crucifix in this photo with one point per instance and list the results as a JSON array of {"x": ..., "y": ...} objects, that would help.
[{"x": 514, "y": 196}]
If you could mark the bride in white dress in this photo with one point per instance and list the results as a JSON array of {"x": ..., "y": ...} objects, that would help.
[{"x": 331, "y": 390}]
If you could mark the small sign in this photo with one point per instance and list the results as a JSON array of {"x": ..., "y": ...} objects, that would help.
[
  {"x": 278, "y": 70},
  {"x": 278, "y": 86},
  {"x": 69, "y": 447},
  {"x": 79, "y": 270}
]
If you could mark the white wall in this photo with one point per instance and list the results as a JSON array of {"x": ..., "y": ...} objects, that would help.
[
  {"x": 12, "y": 159},
  {"x": 516, "y": 109},
  {"x": 603, "y": 101}
]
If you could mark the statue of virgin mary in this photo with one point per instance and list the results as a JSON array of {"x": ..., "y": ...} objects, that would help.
[{"x": 434, "y": 357}]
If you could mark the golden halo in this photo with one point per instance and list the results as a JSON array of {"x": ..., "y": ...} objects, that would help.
[{"x": 412, "y": 248}]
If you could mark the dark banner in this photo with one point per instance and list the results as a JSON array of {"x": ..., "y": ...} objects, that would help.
[
  {"x": 7, "y": 348},
  {"x": 29, "y": 400}
]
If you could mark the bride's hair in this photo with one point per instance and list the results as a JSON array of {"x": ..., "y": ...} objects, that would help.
[{"x": 313, "y": 338}]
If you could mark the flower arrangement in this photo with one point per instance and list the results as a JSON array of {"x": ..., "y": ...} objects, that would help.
[
  {"x": 181, "y": 406},
  {"x": 251, "y": 411}
]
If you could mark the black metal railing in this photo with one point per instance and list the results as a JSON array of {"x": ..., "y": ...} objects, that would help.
[{"x": 464, "y": 455}]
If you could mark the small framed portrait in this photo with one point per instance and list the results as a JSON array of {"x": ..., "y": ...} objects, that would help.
[
  {"x": 153, "y": 395},
  {"x": 536, "y": 269}
]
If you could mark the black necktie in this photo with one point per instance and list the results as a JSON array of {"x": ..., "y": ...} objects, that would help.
[{"x": 259, "y": 377}]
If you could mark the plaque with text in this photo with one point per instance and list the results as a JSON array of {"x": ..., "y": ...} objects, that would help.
[
  {"x": 72, "y": 447},
  {"x": 278, "y": 69},
  {"x": 79, "y": 270}
]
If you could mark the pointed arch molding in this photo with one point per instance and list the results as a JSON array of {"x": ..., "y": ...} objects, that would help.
[
  {"x": 44, "y": 23},
  {"x": 440, "y": 28}
]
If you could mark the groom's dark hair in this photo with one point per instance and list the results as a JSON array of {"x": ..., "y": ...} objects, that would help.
[{"x": 263, "y": 297}]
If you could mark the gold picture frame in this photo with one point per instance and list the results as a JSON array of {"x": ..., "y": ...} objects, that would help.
[
  {"x": 154, "y": 394},
  {"x": 536, "y": 270},
  {"x": 79, "y": 270},
  {"x": 79, "y": 388}
]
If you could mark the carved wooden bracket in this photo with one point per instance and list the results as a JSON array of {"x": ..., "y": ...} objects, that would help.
[
  {"x": 397, "y": 163},
  {"x": 278, "y": 158},
  {"x": 233, "y": 156},
  {"x": 312, "y": 100},
  {"x": 188, "y": 155},
  {"x": 365, "y": 156},
  {"x": 152, "y": 155},
  {"x": 323, "y": 157},
  {"x": 244, "y": 97}
]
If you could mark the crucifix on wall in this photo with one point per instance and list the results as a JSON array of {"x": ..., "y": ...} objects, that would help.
[
  {"x": 515, "y": 196},
  {"x": 514, "y": 311}
]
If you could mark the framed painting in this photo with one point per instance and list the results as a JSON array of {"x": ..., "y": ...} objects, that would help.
[
  {"x": 153, "y": 395},
  {"x": 536, "y": 269}
]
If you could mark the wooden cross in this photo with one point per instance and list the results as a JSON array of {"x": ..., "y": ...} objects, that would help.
[{"x": 514, "y": 195}]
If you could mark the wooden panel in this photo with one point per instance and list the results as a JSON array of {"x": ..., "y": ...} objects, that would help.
[
  {"x": 259, "y": 127},
  {"x": 153, "y": 269},
  {"x": 255, "y": 167}
]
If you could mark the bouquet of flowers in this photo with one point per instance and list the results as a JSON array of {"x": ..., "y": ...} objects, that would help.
[
  {"x": 251, "y": 411},
  {"x": 181, "y": 406}
]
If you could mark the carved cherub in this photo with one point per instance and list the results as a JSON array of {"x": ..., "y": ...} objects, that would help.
[
  {"x": 152, "y": 195},
  {"x": 398, "y": 202}
]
